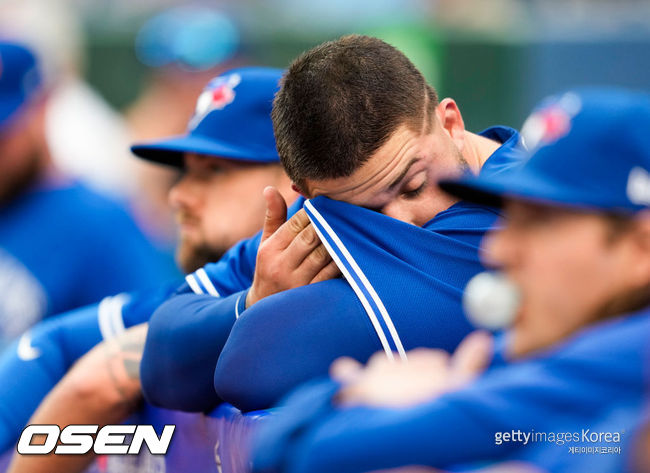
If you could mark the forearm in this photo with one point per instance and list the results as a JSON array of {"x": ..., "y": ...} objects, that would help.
[
  {"x": 185, "y": 339},
  {"x": 360, "y": 439},
  {"x": 33, "y": 365},
  {"x": 102, "y": 388},
  {"x": 289, "y": 338}
]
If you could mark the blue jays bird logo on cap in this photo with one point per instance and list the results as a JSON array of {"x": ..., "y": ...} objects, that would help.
[
  {"x": 638, "y": 186},
  {"x": 551, "y": 122},
  {"x": 218, "y": 94}
]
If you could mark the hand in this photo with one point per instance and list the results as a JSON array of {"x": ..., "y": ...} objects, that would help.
[
  {"x": 290, "y": 253},
  {"x": 428, "y": 373}
]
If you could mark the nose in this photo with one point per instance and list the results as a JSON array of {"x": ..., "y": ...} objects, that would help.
[
  {"x": 498, "y": 248},
  {"x": 183, "y": 194},
  {"x": 399, "y": 211}
]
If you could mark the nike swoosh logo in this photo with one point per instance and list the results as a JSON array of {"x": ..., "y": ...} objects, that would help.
[{"x": 26, "y": 351}]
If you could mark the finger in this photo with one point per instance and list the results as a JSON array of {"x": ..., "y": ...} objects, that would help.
[
  {"x": 428, "y": 358},
  {"x": 290, "y": 230},
  {"x": 276, "y": 212},
  {"x": 330, "y": 271},
  {"x": 472, "y": 355},
  {"x": 350, "y": 395},
  {"x": 345, "y": 369},
  {"x": 300, "y": 251},
  {"x": 378, "y": 361},
  {"x": 314, "y": 262}
]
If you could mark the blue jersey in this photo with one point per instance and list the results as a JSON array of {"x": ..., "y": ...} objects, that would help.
[
  {"x": 33, "y": 364},
  {"x": 64, "y": 247},
  {"x": 535, "y": 410},
  {"x": 292, "y": 336},
  {"x": 181, "y": 351}
]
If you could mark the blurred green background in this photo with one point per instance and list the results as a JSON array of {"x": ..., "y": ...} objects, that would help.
[{"x": 495, "y": 57}]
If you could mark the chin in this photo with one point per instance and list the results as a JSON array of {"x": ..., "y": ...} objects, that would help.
[
  {"x": 192, "y": 257},
  {"x": 520, "y": 340}
]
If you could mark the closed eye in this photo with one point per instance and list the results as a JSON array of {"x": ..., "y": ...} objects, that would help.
[{"x": 412, "y": 194}]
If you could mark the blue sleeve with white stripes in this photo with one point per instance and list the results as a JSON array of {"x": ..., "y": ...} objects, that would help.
[
  {"x": 32, "y": 365},
  {"x": 288, "y": 338},
  {"x": 234, "y": 271},
  {"x": 186, "y": 333},
  {"x": 181, "y": 351},
  {"x": 402, "y": 289},
  {"x": 35, "y": 363}
]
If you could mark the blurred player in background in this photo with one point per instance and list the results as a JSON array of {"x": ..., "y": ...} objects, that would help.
[
  {"x": 575, "y": 245},
  {"x": 357, "y": 122},
  {"x": 61, "y": 244},
  {"x": 227, "y": 156},
  {"x": 183, "y": 48}
]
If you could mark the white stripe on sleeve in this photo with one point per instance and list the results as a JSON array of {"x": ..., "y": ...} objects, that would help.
[
  {"x": 207, "y": 284},
  {"x": 193, "y": 284},
  {"x": 357, "y": 270}
]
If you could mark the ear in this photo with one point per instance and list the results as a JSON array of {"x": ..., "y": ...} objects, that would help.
[
  {"x": 451, "y": 120},
  {"x": 296, "y": 188}
]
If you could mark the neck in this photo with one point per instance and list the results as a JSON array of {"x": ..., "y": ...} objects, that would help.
[{"x": 477, "y": 150}]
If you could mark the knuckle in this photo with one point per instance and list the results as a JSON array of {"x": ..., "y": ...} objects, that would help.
[
  {"x": 294, "y": 225},
  {"x": 274, "y": 273},
  {"x": 308, "y": 236},
  {"x": 262, "y": 257},
  {"x": 319, "y": 255},
  {"x": 332, "y": 269},
  {"x": 298, "y": 222}
]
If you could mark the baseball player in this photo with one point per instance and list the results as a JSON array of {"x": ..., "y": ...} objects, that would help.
[
  {"x": 374, "y": 135},
  {"x": 62, "y": 245},
  {"x": 571, "y": 372},
  {"x": 229, "y": 154}
]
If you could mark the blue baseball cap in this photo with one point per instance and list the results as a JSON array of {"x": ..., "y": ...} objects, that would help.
[
  {"x": 232, "y": 120},
  {"x": 20, "y": 79},
  {"x": 587, "y": 150}
]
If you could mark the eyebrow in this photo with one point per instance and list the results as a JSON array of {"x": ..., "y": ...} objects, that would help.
[{"x": 402, "y": 175}]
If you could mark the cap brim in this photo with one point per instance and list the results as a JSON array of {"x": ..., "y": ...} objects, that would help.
[
  {"x": 472, "y": 189},
  {"x": 171, "y": 151},
  {"x": 518, "y": 185}
]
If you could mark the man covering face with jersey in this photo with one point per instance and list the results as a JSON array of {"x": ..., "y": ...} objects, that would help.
[{"x": 364, "y": 137}]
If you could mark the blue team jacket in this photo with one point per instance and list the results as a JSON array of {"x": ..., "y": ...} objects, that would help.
[
  {"x": 293, "y": 336},
  {"x": 587, "y": 392}
]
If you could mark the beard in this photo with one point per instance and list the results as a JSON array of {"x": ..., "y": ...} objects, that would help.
[
  {"x": 463, "y": 165},
  {"x": 632, "y": 300},
  {"x": 191, "y": 257}
]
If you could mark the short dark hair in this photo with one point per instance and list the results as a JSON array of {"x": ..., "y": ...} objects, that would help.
[{"x": 340, "y": 101}]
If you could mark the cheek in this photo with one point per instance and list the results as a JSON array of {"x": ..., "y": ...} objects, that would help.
[
  {"x": 233, "y": 211},
  {"x": 563, "y": 288},
  {"x": 432, "y": 202}
]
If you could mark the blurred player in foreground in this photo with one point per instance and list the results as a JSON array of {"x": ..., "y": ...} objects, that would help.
[
  {"x": 355, "y": 121},
  {"x": 228, "y": 157},
  {"x": 571, "y": 373},
  {"x": 61, "y": 245}
]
